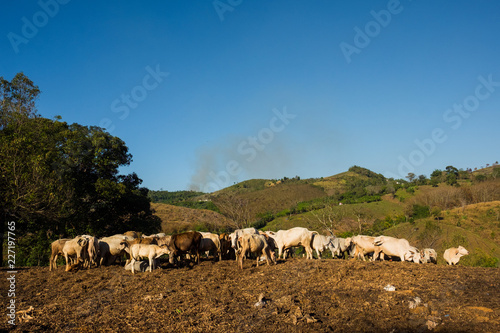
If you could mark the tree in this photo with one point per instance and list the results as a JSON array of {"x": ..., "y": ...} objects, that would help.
[
  {"x": 451, "y": 170},
  {"x": 451, "y": 175},
  {"x": 17, "y": 97},
  {"x": 436, "y": 177},
  {"x": 60, "y": 180},
  {"x": 236, "y": 208},
  {"x": 410, "y": 177},
  {"x": 422, "y": 180},
  {"x": 362, "y": 215},
  {"x": 330, "y": 217}
]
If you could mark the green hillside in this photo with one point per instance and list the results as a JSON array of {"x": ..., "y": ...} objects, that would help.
[
  {"x": 345, "y": 218},
  {"x": 262, "y": 200},
  {"x": 354, "y": 178},
  {"x": 476, "y": 227},
  {"x": 453, "y": 207}
]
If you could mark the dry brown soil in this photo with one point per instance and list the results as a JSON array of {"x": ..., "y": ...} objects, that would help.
[{"x": 299, "y": 295}]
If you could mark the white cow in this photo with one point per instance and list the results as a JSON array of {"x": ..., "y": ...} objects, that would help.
[
  {"x": 110, "y": 247},
  {"x": 363, "y": 245},
  {"x": 395, "y": 247},
  {"x": 92, "y": 251},
  {"x": 75, "y": 247},
  {"x": 428, "y": 256},
  {"x": 453, "y": 255},
  {"x": 139, "y": 266},
  {"x": 211, "y": 242},
  {"x": 320, "y": 243},
  {"x": 150, "y": 251},
  {"x": 341, "y": 246},
  {"x": 251, "y": 243},
  {"x": 294, "y": 237},
  {"x": 238, "y": 233}
]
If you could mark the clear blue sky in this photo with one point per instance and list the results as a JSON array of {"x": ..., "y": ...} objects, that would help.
[{"x": 208, "y": 93}]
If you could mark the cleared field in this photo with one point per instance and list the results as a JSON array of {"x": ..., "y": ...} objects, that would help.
[{"x": 297, "y": 295}]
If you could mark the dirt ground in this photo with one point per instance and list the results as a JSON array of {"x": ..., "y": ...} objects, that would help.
[{"x": 297, "y": 295}]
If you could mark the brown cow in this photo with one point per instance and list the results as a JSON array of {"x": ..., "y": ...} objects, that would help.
[
  {"x": 185, "y": 242},
  {"x": 254, "y": 244},
  {"x": 56, "y": 249},
  {"x": 225, "y": 246}
]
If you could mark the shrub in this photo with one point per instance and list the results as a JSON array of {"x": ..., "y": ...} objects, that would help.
[
  {"x": 420, "y": 211},
  {"x": 481, "y": 259},
  {"x": 284, "y": 212},
  {"x": 345, "y": 234},
  {"x": 33, "y": 249}
]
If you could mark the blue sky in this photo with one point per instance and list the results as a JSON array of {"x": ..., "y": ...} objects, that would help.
[{"x": 208, "y": 93}]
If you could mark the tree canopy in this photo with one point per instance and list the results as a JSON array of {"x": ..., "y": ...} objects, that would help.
[{"x": 60, "y": 179}]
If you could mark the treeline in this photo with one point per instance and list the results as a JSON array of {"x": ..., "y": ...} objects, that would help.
[
  {"x": 61, "y": 180},
  {"x": 189, "y": 199},
  {"x": 172, "y": 197},
  {"x": 453, "y": 176}
]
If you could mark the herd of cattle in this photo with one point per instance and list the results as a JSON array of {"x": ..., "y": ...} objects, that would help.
[{"x": 88, "y": 251}]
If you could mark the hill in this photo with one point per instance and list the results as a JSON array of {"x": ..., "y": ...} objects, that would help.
[
  {"x": 178, "y": 219},
  {"x": 354, "y": 178},
  {"x": 261, "y": 200},
  {"x": 475, "y": 226},
  {"x": 340, "y": 219},
  {"x": 359, "y": 201},
  {"x": 271, "y": 199},
  {"x": 493, "y": 170}
]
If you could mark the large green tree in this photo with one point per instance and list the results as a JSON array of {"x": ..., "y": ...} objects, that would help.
[{"x": 59, "y": 179}]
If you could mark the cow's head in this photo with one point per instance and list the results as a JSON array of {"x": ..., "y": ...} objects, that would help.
[
  {"x": 83, "y": 241},
  {"x": 348, "y": 242},
  {"x": 413, "y": 254},
  {"x": 331, "y": 245},
  {"x": 164, "y": 249},
  {"x": 234, "y": 240},
  {"x": 462, "y": 251}
]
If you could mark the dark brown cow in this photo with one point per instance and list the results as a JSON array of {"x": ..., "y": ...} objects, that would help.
[
  {"x": 185, "y": 242},
  {"x": 225, "y": 246}
]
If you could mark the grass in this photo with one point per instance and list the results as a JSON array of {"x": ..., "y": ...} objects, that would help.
[
  {"x": 273, "y": 199},
  {"x": 476, "y": 227},
  {"x": 177, "y": 219},
  {"x": 345, "y": 217}
]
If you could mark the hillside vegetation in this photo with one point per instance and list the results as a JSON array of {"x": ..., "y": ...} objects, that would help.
[
  {"x": 175, "y": 219},
  {"x": 451, "y": 208}
]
